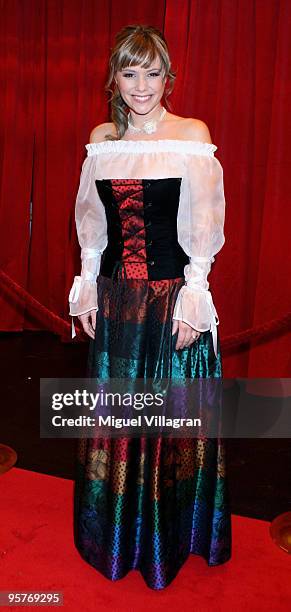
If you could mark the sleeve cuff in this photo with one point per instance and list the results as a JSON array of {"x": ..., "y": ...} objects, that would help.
[
  {"x": 82, "y": 297},
  {"x": 195, "y": 307}
]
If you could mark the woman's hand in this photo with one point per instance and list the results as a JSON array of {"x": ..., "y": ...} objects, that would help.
[
  {"x": 186, "y": 334},
  {"x": 88, "y": 320}
]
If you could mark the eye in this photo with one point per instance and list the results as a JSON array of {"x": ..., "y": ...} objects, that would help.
[{"x": 151, "y": 74}]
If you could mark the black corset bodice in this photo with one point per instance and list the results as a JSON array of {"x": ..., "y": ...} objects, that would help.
[{"x": 142, "y": 228}]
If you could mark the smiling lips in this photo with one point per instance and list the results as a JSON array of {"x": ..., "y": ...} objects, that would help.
[{"x": 142, "y": 98}]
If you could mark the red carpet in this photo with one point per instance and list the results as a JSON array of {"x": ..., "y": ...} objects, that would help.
[{"x": 37, "y": 553}]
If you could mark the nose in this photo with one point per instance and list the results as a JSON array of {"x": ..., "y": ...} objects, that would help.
[{"x": 141, "y": 83}]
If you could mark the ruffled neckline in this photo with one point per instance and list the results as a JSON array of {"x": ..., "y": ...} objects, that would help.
[{"x": 151, "y": 146}]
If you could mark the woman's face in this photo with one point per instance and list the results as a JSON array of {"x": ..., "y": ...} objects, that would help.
[{"x": 141, "y": 88}]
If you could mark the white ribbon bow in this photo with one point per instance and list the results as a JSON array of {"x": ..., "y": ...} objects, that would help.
[{"x": 75, "y": 290}]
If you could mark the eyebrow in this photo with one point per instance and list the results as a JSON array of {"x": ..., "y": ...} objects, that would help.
[{"x": 147, "y": 70}]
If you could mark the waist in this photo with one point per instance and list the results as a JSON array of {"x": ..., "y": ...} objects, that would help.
[{"x": 148, "y": 265}]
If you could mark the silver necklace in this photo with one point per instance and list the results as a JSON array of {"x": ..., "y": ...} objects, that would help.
[{"x": 149, "y": 126}]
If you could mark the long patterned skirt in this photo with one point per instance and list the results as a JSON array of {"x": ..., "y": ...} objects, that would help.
[{"x": 148, "y": 503}]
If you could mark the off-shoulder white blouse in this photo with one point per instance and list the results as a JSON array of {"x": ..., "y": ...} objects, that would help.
[{"x": 200, "y": 219}]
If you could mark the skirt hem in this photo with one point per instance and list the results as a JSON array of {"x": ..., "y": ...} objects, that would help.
[{"x": 148, "y": 583}]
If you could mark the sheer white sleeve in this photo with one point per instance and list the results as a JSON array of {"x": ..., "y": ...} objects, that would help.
[
  {"x": 91, "y": 228},
  {"x": 200, "y": 227}
]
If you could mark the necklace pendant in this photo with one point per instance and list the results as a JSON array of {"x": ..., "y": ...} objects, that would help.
[{"x": 150, "y": 127}]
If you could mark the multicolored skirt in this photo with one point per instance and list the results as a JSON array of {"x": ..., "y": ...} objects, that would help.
[{"x": 148, "y": 503}]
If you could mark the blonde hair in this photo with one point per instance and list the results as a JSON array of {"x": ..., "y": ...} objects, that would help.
[{"x": 135, "y": 45}]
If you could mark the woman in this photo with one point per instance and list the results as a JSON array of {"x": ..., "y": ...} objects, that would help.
[{"x": 151, "y": 201}]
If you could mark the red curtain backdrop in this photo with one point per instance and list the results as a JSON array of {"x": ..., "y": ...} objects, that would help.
[{"x": 232, "y": 59}]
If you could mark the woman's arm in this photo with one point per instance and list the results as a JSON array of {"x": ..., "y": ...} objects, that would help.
[
  {"x": 91, "y": 228},
  {"x": 200, "y": 233}
]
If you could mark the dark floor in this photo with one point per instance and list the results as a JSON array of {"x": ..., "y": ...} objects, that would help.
[{"x": 258, "y": 469}]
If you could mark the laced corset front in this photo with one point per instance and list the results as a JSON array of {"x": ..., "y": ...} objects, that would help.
[{"x": 142, "y": 228}]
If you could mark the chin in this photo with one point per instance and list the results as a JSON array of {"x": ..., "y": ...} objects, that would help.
[{"x": 142, "y": 108}]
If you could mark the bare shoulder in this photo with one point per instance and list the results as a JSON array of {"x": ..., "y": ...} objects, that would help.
[
  {"x": 195, "y": 129},
  {"x": 98, "y": 133}
]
